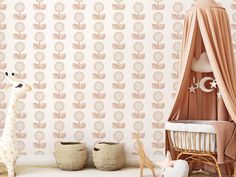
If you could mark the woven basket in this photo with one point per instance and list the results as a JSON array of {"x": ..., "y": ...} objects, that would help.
[
  {"x": 71, "y": 155},
  {"x": 108, "y": 156}
]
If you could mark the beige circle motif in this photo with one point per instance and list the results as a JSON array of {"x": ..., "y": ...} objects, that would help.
[
  {"x": 98, "y": 106},
  {"x": 39, "y": 96},
  {"x": 39, "y": 56},
  {"x": 138, "y": 106},
  {"x": 118, "y": 135},
  {"x": 158, "y": 115},
  {"x": 19, "y": 66},
  {"x": 59, "y": 27},
  {"x": 138, "y": 125},
  {"x": 19, "y": 27},
  {"x": 118, "y": 116},
  {"x": 118, "y": 76},
  {"x": 98, "y": 27},
  {"x": 19, "y": 7},
  {"x": 158, "y": 76},
  {"x": 98, "y": 7},
  {"x": 39, "y": 116},
  {"x": 118, "y": 56},
  {"x": 98, "y": 46},
  {"x": 59, "y": 66},
  {"x": 39, "y": 76},
  {"x": 158, "y": 56},
  {"x": 79, "y": 76},
  {"x": 157, "y": 135},
  {"x": 79, "y": 56},
  {"x": 19, "y": 46},
  {"x": 59, "y": 86},
  {"x": 98, "y": 66},
  {"x": 39, "y": 36},
  {"x": 118, "y": 17},
  {"x": 79, "y": 135},
  {"x": 158, "y": 96},
  {"x": 59, "y": 106},
  {"x": 59, "y": 125},
  {"x": 39, "y": 17},
  {"x": 79, "y": 116},
  {"x": 118, "y": 96},
  {"x": 59, "y": 46},
  {"x": 138, "y": 7},
  {"x": 98, "y": 86},
  {"x": 59, "y": 7},
  {"x": 98, "y": 125},
  {"x": 79, "y": 17},
  {"x": 79, "y": 96}
]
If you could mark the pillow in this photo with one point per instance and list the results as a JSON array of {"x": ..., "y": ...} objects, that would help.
[
  {"x": 180, "y": 169},
  {"x": 167, "y": 162},
  {"x": 201, "y": 64}
]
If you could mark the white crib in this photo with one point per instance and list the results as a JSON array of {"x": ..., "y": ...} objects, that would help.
[{"x": 192, "y": 136}]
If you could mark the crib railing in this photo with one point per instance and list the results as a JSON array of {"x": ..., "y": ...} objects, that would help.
[{"x": 200, "y": 142}]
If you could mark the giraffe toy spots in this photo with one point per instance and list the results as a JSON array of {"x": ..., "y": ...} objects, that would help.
[{"x": 8, "y": 142}]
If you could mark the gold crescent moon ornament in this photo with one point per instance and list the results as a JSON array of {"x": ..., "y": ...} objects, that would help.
[{"x": 202, "y": 84}]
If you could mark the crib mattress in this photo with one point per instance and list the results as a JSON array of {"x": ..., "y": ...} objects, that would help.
[{"x": 197, "y": 136}]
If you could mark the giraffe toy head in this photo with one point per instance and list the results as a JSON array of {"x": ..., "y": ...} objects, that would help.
[{"x": 19, "y": 87}]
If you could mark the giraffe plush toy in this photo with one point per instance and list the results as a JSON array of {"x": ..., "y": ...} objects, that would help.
[
  {"x": 144, "y": 161},
  {"x": 8, "y": 142}
]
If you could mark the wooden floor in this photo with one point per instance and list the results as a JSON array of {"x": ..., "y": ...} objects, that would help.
[{"x": 40, "y": 171}]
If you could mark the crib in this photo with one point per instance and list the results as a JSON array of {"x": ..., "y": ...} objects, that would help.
[{"x": 195, "y": 141}]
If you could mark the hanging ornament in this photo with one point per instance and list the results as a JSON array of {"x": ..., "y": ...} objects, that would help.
[
  {"x": 202, "y": 84},
  {"x": 197, "y": 85},
  {"x": 213, "y": 84},
  {"x": 192, "y": 89}
]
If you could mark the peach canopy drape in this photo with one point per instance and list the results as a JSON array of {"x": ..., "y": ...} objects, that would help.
[{"x": 207, "y": 29}]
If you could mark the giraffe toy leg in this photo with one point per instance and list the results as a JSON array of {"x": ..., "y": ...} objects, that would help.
[
  {"x": 11, "y": 170},
  {"x": 153, "y": 172},
  {"x": 141, "y": 168},
  {"x": 149, "y": 164}
]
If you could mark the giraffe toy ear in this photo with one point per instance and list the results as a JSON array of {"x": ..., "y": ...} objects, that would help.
[
  {"x": 7, "y": 77},
  {"x": 10, "y": 77}
]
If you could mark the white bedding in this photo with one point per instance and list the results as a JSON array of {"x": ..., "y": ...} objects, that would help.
[{"x": 191, "y": 126}]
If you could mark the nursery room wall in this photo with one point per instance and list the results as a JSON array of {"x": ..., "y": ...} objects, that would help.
[{"x": 101, "y": 70}]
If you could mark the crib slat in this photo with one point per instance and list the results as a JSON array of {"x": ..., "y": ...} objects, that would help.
[
  {"x": 209, "y": 141},
  {"x": 173, "y": 138},
  {"x": 189, "y": 140},
  {"x": 174, "y": 133},
  {"x": 185, "y": 140},
  {"x": 199, "y": 141},
  {"x": 194, "y": 141},
  {"x": 181, "y": 139},
  {"x": 178, "y": 139},
  {"x": 215, "y": 142},
  {"x": 204, "y": 142}
]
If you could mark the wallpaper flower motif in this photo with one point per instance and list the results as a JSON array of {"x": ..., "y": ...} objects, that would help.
[{"x": 100, "y": 70}]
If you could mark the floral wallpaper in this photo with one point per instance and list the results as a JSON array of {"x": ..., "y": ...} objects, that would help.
[{"x": 100, "y": 70}]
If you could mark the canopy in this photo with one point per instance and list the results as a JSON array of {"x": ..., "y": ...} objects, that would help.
[
  {"x": 207, "y": 37},
  {"x": 207, "y": 29}
]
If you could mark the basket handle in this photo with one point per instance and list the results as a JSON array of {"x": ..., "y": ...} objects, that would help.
[{"x": 96, "y": 149}]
